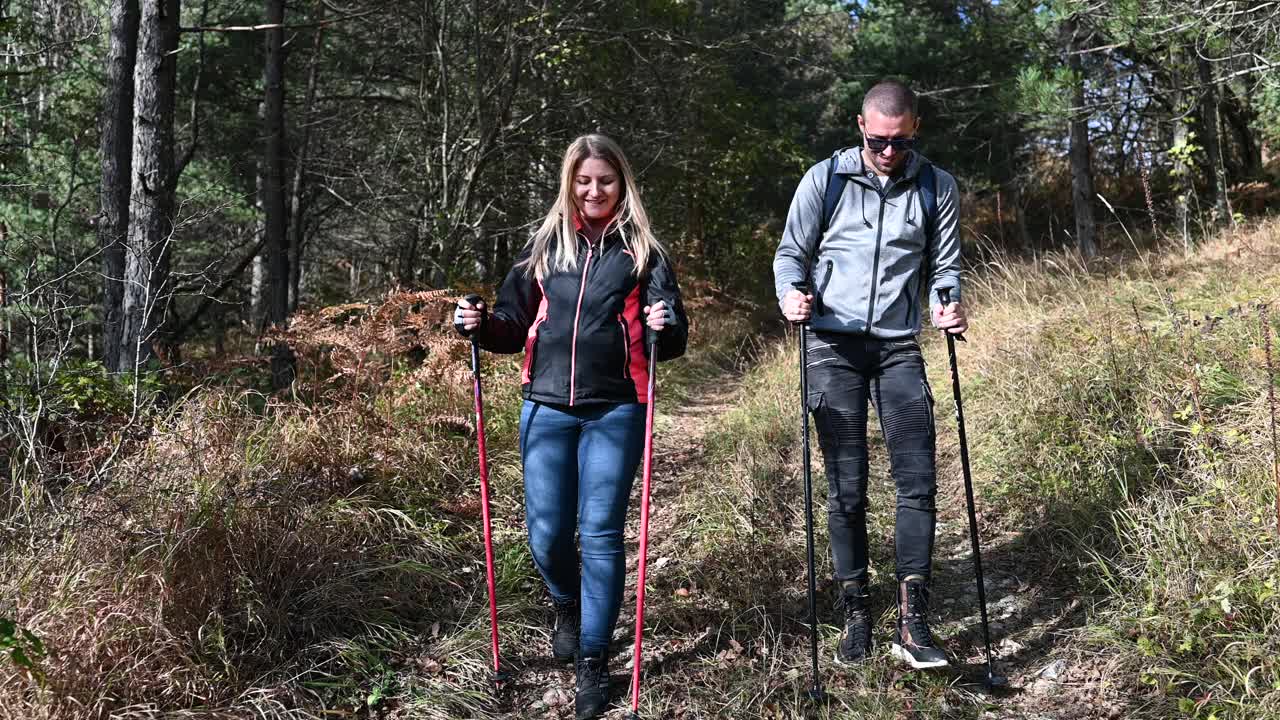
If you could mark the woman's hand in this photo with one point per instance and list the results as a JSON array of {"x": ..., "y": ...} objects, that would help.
[
  {"x": 658, "y": 315},
  {"x": 468, "y": 316}
]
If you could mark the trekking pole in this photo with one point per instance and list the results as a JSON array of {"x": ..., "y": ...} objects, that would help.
[
  {"x": 498, "y": 676},
  {"x": 651, "y": 339},
  {"x": 992, "y": 680},
  {"x": 815, "y": 690}
]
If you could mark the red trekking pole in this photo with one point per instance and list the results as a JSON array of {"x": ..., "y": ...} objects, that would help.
[
  {"x": 498, "y": 676},
  {"x": 651, "y": 339}
]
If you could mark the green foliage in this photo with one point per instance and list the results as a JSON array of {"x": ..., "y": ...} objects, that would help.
[
  {"x": 79, "y": 390},
  {"x": 1268, "y": 104},
  {"x": 1045, "y": 94},
  {"x": 24, "y": 649},
  {"x": 1183, "y": 154}
]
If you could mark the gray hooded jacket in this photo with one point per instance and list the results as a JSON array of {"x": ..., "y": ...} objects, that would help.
[{"x": 868, "y": 272}]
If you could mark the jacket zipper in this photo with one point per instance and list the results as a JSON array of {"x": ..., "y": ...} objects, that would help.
[
  {"x": 912, "y": 294},
  {"x": 573, "y": 353},
  {"x": 819, "y": 305},
  {"x": 626, "y": 348},
  {"x": 875, "y": 266}
]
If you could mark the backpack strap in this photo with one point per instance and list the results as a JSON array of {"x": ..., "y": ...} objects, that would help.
[
  {"x": 831, "y": 198},
  {"x": 927, "y": 183}
]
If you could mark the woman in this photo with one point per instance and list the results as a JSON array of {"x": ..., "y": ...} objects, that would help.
[{"x": 577, "y": 301}]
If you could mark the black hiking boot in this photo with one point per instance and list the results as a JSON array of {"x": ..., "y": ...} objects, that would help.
[
  {"x": 855, "y": 643},
  {"x": 564, "y": 635},
  {"x": 591, "y": 696},
  {"x": 912, "y": 641}
]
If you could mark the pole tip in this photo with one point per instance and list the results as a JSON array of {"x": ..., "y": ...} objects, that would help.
[{"x": 817, "y": 694}]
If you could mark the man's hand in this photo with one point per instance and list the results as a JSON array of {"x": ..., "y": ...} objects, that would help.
[
  {"x": 950, "y": 318},
  {"x": 797, "y": 307},
  {"x": 467, "y": 317},
  {"x": 657, "y": 316}
]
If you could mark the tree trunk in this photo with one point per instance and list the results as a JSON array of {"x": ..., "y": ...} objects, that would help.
[
  {"x": 116, "y": 151},
  {"x": 1240, "y": 116},
  {"x": 274, "y": 214},
  {"x": 1082, "y": 192},
  {"x": 1020, "y": 215},
  {"x": 4, "y": 320},
  {"x": 151, "y": 201},
  {"x": 1181, "y": 173},
  {"x": 297, "y": 207},
  {"x": 1215, "y": 172}
]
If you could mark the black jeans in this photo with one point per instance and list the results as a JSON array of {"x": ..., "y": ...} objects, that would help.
[{"x": 845, "y": 371}]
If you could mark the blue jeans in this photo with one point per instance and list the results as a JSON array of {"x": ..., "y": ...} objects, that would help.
[{"x": 579, "y": 463}]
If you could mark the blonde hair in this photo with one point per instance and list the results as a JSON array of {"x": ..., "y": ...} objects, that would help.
[{"x": 557, "y": 235}]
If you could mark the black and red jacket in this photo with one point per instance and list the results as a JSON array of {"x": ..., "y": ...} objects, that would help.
[{"x": 582, "y": 331}]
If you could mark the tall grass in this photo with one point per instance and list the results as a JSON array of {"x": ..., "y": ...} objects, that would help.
[{"x": 1128, "y": 412}]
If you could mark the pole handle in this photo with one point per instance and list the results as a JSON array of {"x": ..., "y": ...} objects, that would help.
[
  {"x": 472, "y": 299},
  {"x": 802, "y": 287},
  {"x": 944, "y": 296}
]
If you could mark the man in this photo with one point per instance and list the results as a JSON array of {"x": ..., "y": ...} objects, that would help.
[{"x": 865, "y": 277}]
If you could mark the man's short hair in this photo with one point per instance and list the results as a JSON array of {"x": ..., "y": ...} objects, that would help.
[{"x": 891, "y": 98}]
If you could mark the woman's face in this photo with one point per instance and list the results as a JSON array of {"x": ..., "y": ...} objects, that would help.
[{"x": 596, "y": 188}]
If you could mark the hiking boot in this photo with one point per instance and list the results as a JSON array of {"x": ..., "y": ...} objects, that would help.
[
  {"x": 564, "y": 635},
  {"x": 591, "y": 696},
  {"x": 912, "y": 641},
  {"x": 855, "y": 643}
]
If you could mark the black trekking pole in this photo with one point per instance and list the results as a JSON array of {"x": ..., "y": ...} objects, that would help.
[
  {"x": 499, "y": 677},
  {"x": 992, "y": 680},
  {"x": 815, "y": 690}
]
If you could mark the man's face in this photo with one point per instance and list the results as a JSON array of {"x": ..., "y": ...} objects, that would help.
[{"x": 877, "y": 127}]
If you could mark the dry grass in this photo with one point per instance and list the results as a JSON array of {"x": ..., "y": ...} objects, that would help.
[
  {"x": 239, "y": 555},
  {"x": 317, "y": 556}
]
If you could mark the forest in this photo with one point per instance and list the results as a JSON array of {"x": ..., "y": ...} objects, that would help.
[{"x": 235, "y": 422}]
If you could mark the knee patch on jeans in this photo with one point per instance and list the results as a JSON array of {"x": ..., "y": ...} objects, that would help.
[
  {"x": 912, "y": 424},
  {"x": 913, "y": 464},
  {"x": 916, "y": 491},
  {"x": 847, "y": 486},
  {"x": 916, "y": 502},
  {"x": 844, "y": 426}
]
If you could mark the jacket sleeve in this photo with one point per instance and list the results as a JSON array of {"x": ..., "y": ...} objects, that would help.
[
  {"x": 662, "y": 285},
  {"x": 793, "y": 260},
  {"x": 505, "y": 329},
  {"x": 946, "y": 248}
]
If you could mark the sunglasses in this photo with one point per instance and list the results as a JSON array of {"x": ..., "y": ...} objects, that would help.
[{"x": 875, "y": 144}]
